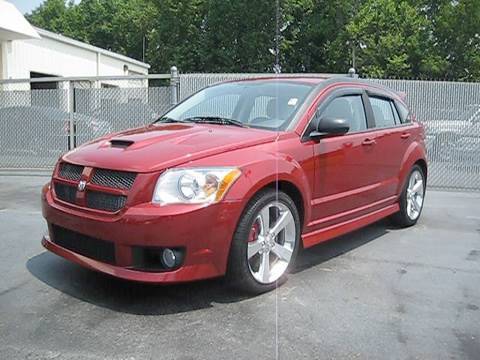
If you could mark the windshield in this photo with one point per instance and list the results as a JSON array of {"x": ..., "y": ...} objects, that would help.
[{"x": 268, "y": 105}]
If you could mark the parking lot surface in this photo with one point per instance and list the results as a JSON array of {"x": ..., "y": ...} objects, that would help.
[{"x": 378, "y": 293}]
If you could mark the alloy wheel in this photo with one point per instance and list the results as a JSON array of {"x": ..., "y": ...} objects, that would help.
[
  {"x": 415, "y": 194},
  {"x": 271, "y": 242}
]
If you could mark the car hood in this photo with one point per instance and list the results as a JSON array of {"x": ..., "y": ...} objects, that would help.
[{"x": 157, "y": 147}]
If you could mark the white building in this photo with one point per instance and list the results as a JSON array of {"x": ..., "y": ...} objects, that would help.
[{"x": 29, "y": 52}]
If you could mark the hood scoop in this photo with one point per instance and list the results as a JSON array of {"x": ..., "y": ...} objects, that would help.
[{"x": 119, "y": 143}]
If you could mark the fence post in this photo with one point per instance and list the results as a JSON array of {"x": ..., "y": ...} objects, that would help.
[
  {"x": 352, "y": 73},
  {"x": 174, "y": 85},
  {"x": 71, "y": 110}
]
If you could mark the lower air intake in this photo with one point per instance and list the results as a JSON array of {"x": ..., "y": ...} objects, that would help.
[{"x": 90, "y": 247}]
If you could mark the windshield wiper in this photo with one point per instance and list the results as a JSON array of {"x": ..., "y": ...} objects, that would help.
[
  {"x": 166, "y": 119},
  {"x": 215, "y": 120}
]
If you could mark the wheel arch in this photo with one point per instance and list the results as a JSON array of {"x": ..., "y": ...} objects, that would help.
[
  {"x": 415, "y": 154},
  {"x": 293, "y": 192},
  {"x": 288, "y": 187},
  {"x": 423, "y": 164}
]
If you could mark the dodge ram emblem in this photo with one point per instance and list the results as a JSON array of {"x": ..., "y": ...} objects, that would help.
[{"x": 81, "y": 185}]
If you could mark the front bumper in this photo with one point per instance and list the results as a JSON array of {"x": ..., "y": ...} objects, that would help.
[{"x": 204, "y": 232}]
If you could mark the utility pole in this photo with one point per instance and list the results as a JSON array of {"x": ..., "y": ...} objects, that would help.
[
  {"x": 277, "y": 68},
  {"x": 353, "y": 56}
]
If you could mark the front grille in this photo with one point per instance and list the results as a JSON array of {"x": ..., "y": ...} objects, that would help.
[
  {"x": 113, "y": 179},
  {"x": 70, "y": 171},
  {"x": 99, "y": 200},
  {"x": 103, "y": 201},
  {"x": 84, "y": 245},
  {"x": 65, "y": 192}
]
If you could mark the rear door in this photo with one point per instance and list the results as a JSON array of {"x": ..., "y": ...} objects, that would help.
[{"x": 392, "y": 137}]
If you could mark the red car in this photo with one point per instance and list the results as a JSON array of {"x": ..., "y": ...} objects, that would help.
[{"x": 236, "y": 179}]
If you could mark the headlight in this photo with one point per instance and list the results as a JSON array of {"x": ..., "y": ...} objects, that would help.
[{"x": 194, "y": 185}]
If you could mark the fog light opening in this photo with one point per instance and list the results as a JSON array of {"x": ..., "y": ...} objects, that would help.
[{"x": 169, "y": 258}]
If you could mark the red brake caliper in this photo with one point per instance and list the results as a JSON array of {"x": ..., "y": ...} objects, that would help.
[{"x": 254, "y": 232}]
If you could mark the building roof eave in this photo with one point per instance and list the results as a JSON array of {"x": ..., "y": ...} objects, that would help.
[
  {"x": 61, "y": 38},
  {"x": 13, "y": 25}
]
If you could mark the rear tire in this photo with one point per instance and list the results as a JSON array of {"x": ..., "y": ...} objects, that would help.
[
  {"x": 412, "y": 199},
  {"x": 259, "y": 260}
]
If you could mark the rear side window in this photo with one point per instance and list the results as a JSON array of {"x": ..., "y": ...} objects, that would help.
[
  {"x": 349, "y": 108},
  {"x": 395, "y": 113},
  {"x": 382, "y": 111},
  {"x": 403, "y": 112}
]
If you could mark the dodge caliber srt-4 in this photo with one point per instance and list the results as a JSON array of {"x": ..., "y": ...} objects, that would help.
[{"x": 235, "y": 179}]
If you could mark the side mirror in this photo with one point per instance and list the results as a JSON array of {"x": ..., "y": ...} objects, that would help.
[{"x": 330, "y": 126}]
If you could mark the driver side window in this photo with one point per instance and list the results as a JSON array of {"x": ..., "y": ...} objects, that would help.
[{"x": 349, "y": 108}]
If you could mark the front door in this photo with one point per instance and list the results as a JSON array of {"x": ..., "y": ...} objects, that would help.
[{"x": 345, "y": 165}]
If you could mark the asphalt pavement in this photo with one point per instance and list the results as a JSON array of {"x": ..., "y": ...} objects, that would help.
[{"x": 378, "y": 293}]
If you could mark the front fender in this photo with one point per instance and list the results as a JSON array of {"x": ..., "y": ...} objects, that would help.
[
  {"x": 269, "y": 170},
  {"x": 266, "y": 164}
]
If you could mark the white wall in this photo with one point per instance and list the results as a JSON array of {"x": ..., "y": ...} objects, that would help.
[
  {"x": 53, "y": 56},
  {"x": 50, "y": 57},
  {"x": 13, "y": 25},
  {"x": 1, "y": 59}
]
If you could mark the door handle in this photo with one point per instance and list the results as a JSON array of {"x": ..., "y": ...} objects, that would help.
[
  {"x": 369, "y": 142},
  {"x": 405, "y": 135}
]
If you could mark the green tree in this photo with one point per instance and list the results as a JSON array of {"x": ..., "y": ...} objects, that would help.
[
  {"x": 391, "y": 39},
  {"x": 457, "y": 38},
  {"x": 401, "y": 38},
  {"x": 57, "y": 16},
  {"x": 239, "y": 36},
  {"x": 316, "y": 41},
  {"x": 117, "y": 25},
  {"x": 174, "y": 38}
]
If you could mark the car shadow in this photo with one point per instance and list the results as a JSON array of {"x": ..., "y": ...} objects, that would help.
[
  {"x": 149, "y": 299},
  {"x": 327, "y": 250}
]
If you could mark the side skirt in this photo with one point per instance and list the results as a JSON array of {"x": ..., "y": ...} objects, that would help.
[{"x": 332, "y": 231}]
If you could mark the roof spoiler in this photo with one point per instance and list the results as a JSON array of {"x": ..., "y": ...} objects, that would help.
[{"x": 402, "y": 95}]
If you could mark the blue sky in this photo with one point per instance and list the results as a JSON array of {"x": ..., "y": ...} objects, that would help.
[{"x": 26, "y": 6}]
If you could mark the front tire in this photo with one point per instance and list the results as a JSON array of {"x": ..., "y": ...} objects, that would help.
[
  {"x": 265, "y": 243},
  {"x": 412, "y": 199}
]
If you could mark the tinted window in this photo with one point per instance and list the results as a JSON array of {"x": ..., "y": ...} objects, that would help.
[
  {"x": 404, "y": 113},
  {"x": 395, "y": 113},
  {"x": 382, "y": 111},
  {"x": 349, "y": 108}
]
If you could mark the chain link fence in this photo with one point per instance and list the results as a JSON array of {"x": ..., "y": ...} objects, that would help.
[
  {"x": 102, "y": 111},
  {"x": 450, "y": 112},
  {"x": 37, "y": 126},
  {"x": 33, "y": 127}
]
